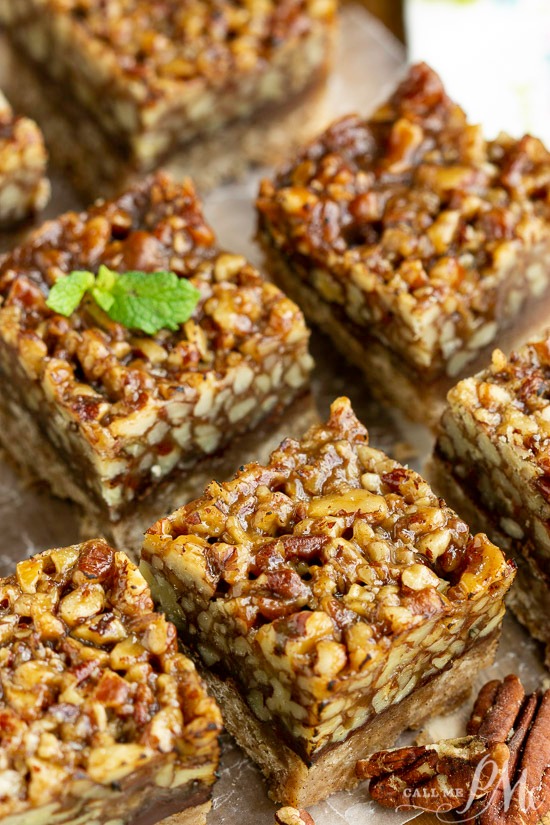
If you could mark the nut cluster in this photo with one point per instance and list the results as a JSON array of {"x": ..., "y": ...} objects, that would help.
[
  {"x": 498, "y": 775},
  {"x": 24, "y": 188},
  {"x": 159, "y": 43},
  {"x": 330, "y": 550},
  {"x": 412, "y": 222},
  {"x": 143, "y": 402},
  {"x": 92, "y": 686}
]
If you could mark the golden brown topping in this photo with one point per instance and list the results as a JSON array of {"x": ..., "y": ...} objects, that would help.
[
  {"x": 106, "y": 370},
  {"x": 510, "y": 403},
  {"x": 410, "y": 219},
  {"x": 330, "y": 541},
  {"x": 24, "y": 187},
  {"x": 142, "y": 403},
  {"x": 92, "y": 683}
]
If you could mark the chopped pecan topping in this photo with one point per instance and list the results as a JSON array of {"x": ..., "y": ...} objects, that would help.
[
  {"x": 156, "y": 46},
  {"x": 409, "y": 221},
  {"x": 332, "y": 512},
  {"x": 328, "y": 582},
  {"x": 24, "y": 187},
  {"x": 140, "y": 404},
  {"x": 93, "y": 688}
]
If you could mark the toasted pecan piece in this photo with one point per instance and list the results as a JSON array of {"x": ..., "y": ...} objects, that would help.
[{"x": 293, "y": 816}]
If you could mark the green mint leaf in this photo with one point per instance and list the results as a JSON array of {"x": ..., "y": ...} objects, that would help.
[
  {"x": 67, "y": 293},
  {"x": 106, "y": 278},
  {"x": 103, "y": 298},
  {"x": 149, "y": 301}
]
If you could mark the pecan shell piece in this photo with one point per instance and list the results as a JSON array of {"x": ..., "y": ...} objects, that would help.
[{"x": 436, "y": 778}]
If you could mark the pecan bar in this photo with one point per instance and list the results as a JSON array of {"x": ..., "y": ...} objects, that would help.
[
  {"x": 102, "y": 720},
  {"x": 412, "y": 240},
  {"x": 24, "y": 187},
  {"x": 104, "y": 414},
  {"x": 146, "y": 83},
  {"x": 492, "y": 460},
  {"x": 333, "y": 599}
]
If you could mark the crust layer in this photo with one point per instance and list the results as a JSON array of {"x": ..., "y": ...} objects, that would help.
[{"x": 292, "y": 782}]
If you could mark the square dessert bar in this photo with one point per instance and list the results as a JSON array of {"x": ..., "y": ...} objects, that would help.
[
  {"x": 24, "y": 187},
  {"x": 333, "y": 599},
  {"x": 492, "y": 459},
  {"x": 103, "y": 413},
  {"x": 412, "y": 240},
  {"x": 102, "y": 720},
  {"x": 148, "y": 78}
]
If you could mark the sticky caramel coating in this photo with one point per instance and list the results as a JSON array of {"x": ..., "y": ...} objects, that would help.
[
  {"x": 411, "y": 222},
  {"x": 143, "y": 403},
  {"x": 333, "y": 569},
  {"x": 93, "y": 689}
]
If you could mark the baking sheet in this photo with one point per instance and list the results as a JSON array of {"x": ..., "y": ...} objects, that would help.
[{"x": 368, "y": 63}]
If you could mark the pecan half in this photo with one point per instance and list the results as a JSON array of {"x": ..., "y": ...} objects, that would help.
[
  {"x": 523, "y": 795},
  {"x": 293, "y": 816},
  {"x": 498, "y": 775},
  {"x": 496, "y": 709},
  {"x": 436, "y": 778}
]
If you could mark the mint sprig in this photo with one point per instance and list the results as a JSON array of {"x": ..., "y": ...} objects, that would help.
[{"x": 148, "y": 301}]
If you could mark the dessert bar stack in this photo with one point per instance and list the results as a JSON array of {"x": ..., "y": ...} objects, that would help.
[
  {"x": 198, "y": 87},
  {"x": 121, "y": 421},
  {"x": 333, "y": 600},
  {"x": 413, "y": 241},
  {"x": 101, "y": 718}
]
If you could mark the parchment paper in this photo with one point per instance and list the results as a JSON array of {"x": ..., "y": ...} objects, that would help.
[{"x": 369, "y": 62}]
